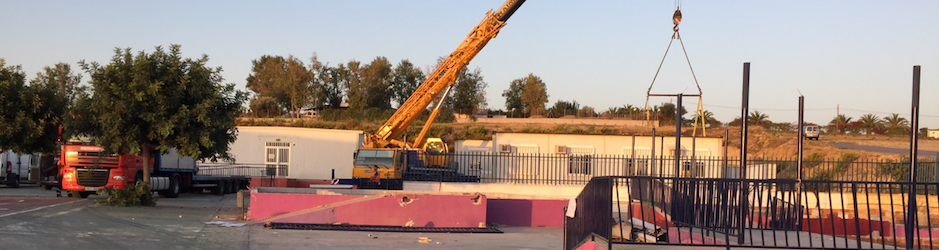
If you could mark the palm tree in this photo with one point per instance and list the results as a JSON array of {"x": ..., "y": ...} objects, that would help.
[
  {"x": 758, "y": 118},
  {"x": 895, "y": 122},
  {"x": 840, "y": 122},
  {"x": 869, "y": 121}
]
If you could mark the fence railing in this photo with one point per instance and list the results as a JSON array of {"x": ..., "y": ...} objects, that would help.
[
  {"x": 763, "y": 213},
  {"x": 577, "y": 169},
  {"x": 226, "y": 170}
]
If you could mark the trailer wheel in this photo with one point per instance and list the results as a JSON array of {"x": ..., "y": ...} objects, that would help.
[
  {"x": 217, "y": 190},
  {"x": 175, "y": 186},
  {"x": 233, "y": 185}
]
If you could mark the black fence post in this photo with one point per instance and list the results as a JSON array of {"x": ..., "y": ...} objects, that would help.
[
  {"x": 744, "y": 110},
  {"x": 914, "y": 132}
]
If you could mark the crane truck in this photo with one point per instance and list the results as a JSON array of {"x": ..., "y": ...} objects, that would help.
[{"x": 384, "y": 159}]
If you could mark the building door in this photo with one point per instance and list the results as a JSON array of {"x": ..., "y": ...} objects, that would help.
[{"x": 277, "y": 158}]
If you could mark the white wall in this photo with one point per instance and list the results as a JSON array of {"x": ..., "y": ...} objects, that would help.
[
  {"x": 314, "y": 153},
  {"x": 610, "y": 152}
]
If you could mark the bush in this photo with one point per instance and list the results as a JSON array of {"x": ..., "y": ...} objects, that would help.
[{"x": 131, "y": 196}]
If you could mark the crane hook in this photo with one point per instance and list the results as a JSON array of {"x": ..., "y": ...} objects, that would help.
[{"x": 676, "y": 18}]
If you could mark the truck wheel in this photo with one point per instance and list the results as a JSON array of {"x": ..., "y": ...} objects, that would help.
[
  {"x": 217, "y": 190},
  {"x": 175, "y": 187},
  {"x": 233, "y": 184},
  {"x": 78, "y": 194}
]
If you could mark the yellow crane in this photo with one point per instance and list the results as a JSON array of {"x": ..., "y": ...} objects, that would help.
[{"x": 383, "y": 156}]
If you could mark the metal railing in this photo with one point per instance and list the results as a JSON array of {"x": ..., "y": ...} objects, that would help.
[
  {"x": 574, "y": 169},
  {"x": 232, "y": 170},
  {"x": 768, "y": 213}
]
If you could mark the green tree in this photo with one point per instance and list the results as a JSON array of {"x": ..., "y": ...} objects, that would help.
[
  {"x": 759, "y": 119},
  {"x": 562, "y": 108},
  {"x": 469, "y": 92},
  {"x": 586, "y": 111},
  {"x": 666, "y": 112},
  {"x": 351, "y": 77},
  {"x": 377, "y": 79},
  {"x": 840, "y": 123},
  {"x": 405, "y": 79},
  {"x": 150, "y": 103},
  {"x": 29, "y": 115},
  {"x": 896, "y": 125},
  {"x": 869, "y": 121},
  {"x": 513, "y": 97},
  {"x": 534, "y": 95},
  {"x": 265, "y": 106},
  {"x": 287, "y": 80},
  {"x": 708, "y": 118},
  {"x": 62, "y": 77}
]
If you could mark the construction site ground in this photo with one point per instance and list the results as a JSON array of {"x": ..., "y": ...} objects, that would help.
[{"x": 29, "y": 220}]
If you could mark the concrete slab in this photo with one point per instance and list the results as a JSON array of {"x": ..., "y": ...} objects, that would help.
[{"x": 417, "y": 210}]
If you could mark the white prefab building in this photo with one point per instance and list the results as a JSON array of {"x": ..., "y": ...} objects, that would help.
[
  {"x": 933, "y": 133},
  {"x": 564, "y": 155},
  {"x": 298, "y": 153}
]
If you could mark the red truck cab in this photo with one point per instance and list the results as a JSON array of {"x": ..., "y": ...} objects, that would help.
[{"x": 86, "y": 169}]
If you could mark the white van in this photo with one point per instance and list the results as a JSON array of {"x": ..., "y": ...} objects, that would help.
[
  {"x": 811, "y": 132},
  {"x": 14, "y": 168}
]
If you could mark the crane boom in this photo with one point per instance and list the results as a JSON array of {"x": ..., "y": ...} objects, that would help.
[{"x": 442, "y": 77}]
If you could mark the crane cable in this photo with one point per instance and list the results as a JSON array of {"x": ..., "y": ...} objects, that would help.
[{"x": 676, "y": 19}]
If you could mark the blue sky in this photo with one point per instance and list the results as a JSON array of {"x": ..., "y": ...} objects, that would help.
[{"x": 856, "y": 54}]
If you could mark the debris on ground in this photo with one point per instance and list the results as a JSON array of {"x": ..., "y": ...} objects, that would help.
[{"x": 226, "y": 224}]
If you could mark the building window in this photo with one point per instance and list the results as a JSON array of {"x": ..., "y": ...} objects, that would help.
[
  {"x": 580, "y": 164},
  {"x": 277, "y": 158}
]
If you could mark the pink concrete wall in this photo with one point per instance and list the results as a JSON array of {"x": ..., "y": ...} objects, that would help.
[
  {"x": 526, "y": 213},
  {"x": 265, "y": 205},
  {"x": 423, "y": 210}
]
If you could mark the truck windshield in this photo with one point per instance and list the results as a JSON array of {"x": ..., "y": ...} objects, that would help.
[
  {"x": 435, "y": 147},
  {"x": 380, "y": 158}
]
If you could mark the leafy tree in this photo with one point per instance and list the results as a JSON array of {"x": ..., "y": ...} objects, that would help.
[
  {"x": 62, "y": 77},
  {"x": 896, "y": 125},
  {"x": 331, "y": 86},
  {"x": 513, "y": 97},
  {"x": 150, "y": 103},
  {"x": 869, "y": 121},
  {"x": 469, "y": 92},
  {"x": 534, "y": 95},
  {"x": 666, "y": 112},
  {"x": 759, "y": 119},
  {"x": 562, "y": 108},
  {"x": 586, "y": 111},
  {"x": 265, "y": 106},
  {"x": 840, "y": 123},
  {"x": 287, "y": 80},
  {"x": 29, "y": 115},
  {"x": 377, "y": 79},
  {"x": 708, "y": 118},
  {"x": 405, "y": 79}
]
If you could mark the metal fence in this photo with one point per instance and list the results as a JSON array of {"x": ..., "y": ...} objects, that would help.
[
  {"x": 228, "y": 170},
  {"x": 574, "y": 169},
  {"x": 774, "y": 213}
]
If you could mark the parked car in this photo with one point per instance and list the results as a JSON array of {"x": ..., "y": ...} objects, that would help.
[{"x": 811, "y": 132}]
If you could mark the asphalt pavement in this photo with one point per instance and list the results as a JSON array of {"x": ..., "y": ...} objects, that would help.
[{"x": 40, "y": 220}]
